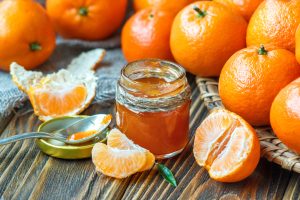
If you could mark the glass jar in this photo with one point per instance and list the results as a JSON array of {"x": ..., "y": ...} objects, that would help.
[{"x": 152, "y": 106}]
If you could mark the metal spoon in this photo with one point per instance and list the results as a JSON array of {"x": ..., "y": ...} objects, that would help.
[{"x": 92, "y": 123}]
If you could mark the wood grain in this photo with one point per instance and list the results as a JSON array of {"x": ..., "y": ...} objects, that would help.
[
  {"x": 27, "y": 173},
  {"x": 293, "y": 188}
]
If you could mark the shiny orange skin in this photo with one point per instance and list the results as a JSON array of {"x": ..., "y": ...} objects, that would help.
[
  {"x": 169, "y": 5},
  {"x": 298, "y": 44},
  {"x": 249, "y": 82},
  {"x": 275, "y": 23},
  {"x": 244, "y": 7},
  {"x": 285, "y": 115},
  {"x": 147, "y": 35},
  {"x": 203, "y": 44},
  {"x": 103, "y": 17},
  {"x": 22, "y": 24}
]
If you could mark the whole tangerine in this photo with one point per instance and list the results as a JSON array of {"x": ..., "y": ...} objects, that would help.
[
  {"x": 285, "y": 115},
  {"x": 251, "y": 79},
  {"x": 275, "y": 23},
  {"x": 88, "y": 20},
  {"x": 204, "y": 35},
  {"x": 147, "y": 35},
  {"x": 27, "y": 38}
]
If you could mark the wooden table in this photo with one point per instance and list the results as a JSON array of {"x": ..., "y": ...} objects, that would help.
[{"x": 27, "y": 173}]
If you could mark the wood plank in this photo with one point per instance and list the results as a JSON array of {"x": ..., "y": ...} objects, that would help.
[
  {"x": 293, "y": 189},
  {"x": 18, "y": 155},
  {"x": 5, "y": 121}
]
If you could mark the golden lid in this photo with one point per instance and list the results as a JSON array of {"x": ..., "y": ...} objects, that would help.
[{"x": 59, "y": 149}]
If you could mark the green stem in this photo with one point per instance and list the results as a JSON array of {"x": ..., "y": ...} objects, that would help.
[
  {"x": 83, "y": 11},
  {"x": 35, "y": 46},
  {"x": 200, "y": 13},
  {"x": 262, "y": 50},
  {"x": 166, "y": 174}
]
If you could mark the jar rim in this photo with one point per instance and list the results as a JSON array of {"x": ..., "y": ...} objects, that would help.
[
  {"x": 178, "y": 75},
  {"x": 163, "y": 96}
]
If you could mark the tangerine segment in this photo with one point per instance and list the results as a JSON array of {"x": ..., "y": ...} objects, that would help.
[
  {"x": 150, "y": 160},
  {"x": 209, "y": 134},
  {"x": 227, "y": 146},
  {"x": 57, "y": 102},
  {"x": 117, "y": 139},
  {"x": 239, "y": 159},
  {"x": 117, "y": 163}
]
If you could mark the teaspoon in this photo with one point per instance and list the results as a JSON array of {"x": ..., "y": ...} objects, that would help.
[{"x": 96, "y": 123}]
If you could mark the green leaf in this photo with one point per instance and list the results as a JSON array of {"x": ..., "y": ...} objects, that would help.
[{"x": 166, "y": 174}]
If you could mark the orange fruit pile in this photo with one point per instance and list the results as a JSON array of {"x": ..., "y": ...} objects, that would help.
[
  {"x": 243, "y": 7},
  {"x": 28, "y": 39},
  {"x": 89, "y": 20},
  {"x": 204, "y": 35},
  {"x": 227, "y": 146},
  {"x": 121, "y": 158},
  {"x": 146, "y": 35},
  {"x": 251, "y": 79},
  {"x": 285, "y": 115},
  {"x": 275, "y": 23}
]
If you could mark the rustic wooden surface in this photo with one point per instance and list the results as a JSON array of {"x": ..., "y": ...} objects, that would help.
[{"x": 27, "y": 173}]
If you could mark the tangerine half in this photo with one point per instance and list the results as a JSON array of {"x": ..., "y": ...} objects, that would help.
[{"x": 227, "y": 146}]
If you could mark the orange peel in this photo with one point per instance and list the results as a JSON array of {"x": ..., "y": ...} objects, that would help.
[{"x": 66, "y": 92}]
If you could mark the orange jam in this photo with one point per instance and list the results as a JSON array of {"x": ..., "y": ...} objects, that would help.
[
  {"x": 153, "y": 109},
  {"x": 84, "y": 134},
  {"x": 81, "y": 135},
  {"x": 160, "y": 132}
]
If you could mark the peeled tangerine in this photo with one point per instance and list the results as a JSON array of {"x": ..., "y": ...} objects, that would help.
[
  {"x": 227, "y": 146},
  {"x": 121, "y": 158},
  {"x": 67, "y": 92}
]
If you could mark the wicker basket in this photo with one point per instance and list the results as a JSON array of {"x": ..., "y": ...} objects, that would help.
[{"x": 271, "y": 147}]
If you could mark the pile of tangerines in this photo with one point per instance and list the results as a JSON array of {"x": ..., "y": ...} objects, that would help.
[{"x": 252, "y": 45}]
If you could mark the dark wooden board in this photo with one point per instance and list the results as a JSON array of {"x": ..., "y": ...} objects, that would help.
[{"x": 27, "y": 173}]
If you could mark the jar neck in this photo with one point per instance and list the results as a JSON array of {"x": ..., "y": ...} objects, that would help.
[
  {"x": 152, "y": 85},
  {"x": 153, "y": 78}
]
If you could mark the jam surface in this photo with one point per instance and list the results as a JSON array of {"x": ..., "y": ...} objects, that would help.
[{"x": 160, "y": 132}]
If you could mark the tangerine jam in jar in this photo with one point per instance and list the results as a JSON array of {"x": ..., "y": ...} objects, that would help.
[{"x": 152, "y": 106}]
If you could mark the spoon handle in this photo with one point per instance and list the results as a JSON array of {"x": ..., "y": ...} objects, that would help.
[{"x": 30, "y": 135}]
